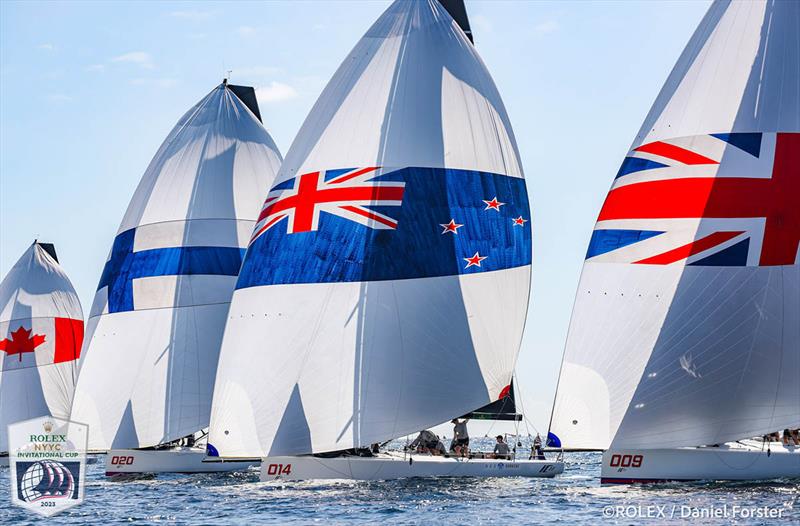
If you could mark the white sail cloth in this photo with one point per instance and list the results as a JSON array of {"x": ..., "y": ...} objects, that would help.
[
  {"x": 41, "y": 330},
  {"x": 686, "y": 325},
  {"x": 356, "y": 318},
  {"x": 156, "y": 324}
]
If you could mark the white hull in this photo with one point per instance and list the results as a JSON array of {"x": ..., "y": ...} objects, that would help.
[
  {"x": 395, "y": 466},
  {"x": 128, "y": 462},
  {"x": 746, "y": 460}
]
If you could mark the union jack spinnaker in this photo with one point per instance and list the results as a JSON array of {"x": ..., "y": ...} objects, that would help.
[{"x": 686, "y": 324}]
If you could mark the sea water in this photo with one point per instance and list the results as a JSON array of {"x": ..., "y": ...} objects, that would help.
[{"x": 575, "y": 497}]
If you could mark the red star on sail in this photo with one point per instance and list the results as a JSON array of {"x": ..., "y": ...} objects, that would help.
[
  {"x": 452, "y": 226},
  {"x": 494, "y": 204},
  {"x": 474, "y": 260},
  {"x": 21, "y": 342},
  {"x": 519, "y": 221}
]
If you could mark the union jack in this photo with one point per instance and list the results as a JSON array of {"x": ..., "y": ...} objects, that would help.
[
  {"x": 347, "y": 193},
  {"x": 721, "y": 199}
]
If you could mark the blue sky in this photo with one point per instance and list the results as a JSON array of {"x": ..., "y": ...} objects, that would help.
[{"x": 88, "y": 91}]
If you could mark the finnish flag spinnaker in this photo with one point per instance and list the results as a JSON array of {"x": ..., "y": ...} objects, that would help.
[{"x": 155, "y": 327}]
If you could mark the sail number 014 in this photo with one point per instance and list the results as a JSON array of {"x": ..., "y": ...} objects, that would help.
[{"x": 279, "y": 469}]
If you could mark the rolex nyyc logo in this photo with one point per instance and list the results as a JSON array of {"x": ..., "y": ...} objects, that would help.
[{"x": 47, "y": 457}]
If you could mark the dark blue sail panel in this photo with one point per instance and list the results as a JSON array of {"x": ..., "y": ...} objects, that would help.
[
  {"x": 635, "y": 164},
  {"x": 748, "y": 142},
  {"x": 428, "y": 222},
  {"x": 606, "y": 240}
]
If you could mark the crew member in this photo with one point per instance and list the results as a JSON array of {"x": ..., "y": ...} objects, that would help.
[
  {"x": 460, "y": 443},
  {"x": 501, "y": 449},
  {"x": 537, "y": 453}
]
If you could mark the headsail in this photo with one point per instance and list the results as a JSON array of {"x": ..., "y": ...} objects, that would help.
[
  {"x": 41, "y": 331},
  {"x": 159, "y": 312},
  {"x": 386, "y": 285},
  {"x": 686, "y": 326}
]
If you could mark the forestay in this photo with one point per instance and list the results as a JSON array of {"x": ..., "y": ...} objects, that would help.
[
  {"x": 686, "y": 325},
  {"x": 156, "y": 324},
  {"x": 386, "y": 285},
  {"x": 41, "y": 331}
]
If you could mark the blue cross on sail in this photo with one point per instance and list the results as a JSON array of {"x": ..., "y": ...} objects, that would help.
[
  {"x": 124, "y": 266},
  {"x": 158, "y": 315}
]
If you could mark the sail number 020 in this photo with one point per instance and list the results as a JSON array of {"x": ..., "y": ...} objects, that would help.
[
  {"x": 121, "y": 460},
  {"x": 279, "y": 469},
  {"x": 626, "y": 461}
]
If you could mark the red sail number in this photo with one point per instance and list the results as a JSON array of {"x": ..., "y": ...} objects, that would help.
[
  {"x": 279, "y": 469},
  {"x": 626, "y": 461},
  {"x": 121, "y": 461}
]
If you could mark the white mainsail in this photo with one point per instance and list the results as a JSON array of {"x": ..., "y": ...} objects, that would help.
[
  {"x": 41, "y": 331},
  {"x": 686, "y": 325},
  {"x": 156, "y": 324},
  {"x": 386, "y": 286}
]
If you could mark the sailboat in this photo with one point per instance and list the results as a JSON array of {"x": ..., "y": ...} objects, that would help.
[
  {"x": 684, "y": 342},
  {"x": 156, "y": 324},
  {"x": 386, "y": 283},
  {"x": 41, "y": 332}
]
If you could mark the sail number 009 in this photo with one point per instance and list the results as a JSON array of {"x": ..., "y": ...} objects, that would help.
[
  {"x": 279, "y": 469},
  {"x": 626, "y": 461}
]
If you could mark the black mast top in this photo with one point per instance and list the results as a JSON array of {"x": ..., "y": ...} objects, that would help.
[
  {"x": 458, "y": 11},
  {"x": 49, "y": 248},
  {"x": 247, "y": 95}
]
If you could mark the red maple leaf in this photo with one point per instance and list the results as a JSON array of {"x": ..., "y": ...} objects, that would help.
[{"x": 21, "y": 342}]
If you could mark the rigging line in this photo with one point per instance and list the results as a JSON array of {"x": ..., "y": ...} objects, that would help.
[
  {"x": 783, "y": 318},
  {"x": 402, "y": 356},
  {"x": 515, "y": 380},
  {"x": 522, "y": 407},
  {"x": 486, "y": 435}
]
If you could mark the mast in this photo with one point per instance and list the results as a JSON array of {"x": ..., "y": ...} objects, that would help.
[
  {"x": 248, "y": 96},
  {"x": 50, "y": 249},
  {"x": 458, "y": 11}
]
